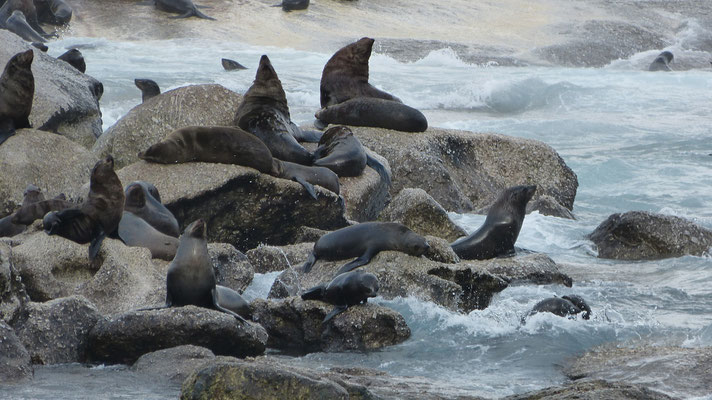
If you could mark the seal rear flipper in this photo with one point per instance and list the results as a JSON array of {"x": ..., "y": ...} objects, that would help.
[
  {"x": 363, "y": 260},
  {"x": 95, "y": 245},
  {"x": 380, "y": 168},
  {"x": 307, "y": 186},
  {"x": 6, "y": 131},
  {"x": 218, "y": 307},
  {"x": 336, "y": 311},
  {"x": 309, "y": 263},
  {"x": 315, "y": 293}
]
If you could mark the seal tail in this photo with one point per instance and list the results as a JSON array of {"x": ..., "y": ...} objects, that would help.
[
  {"x": 380, "y": 168},
  {"x": 315, "y": 293}
]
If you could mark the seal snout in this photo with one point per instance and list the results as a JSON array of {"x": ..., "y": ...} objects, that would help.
[
  {"x": 529, "y": 191},
  {"x": 26, "y": 57},
  {"x": 197, "y": 229}
]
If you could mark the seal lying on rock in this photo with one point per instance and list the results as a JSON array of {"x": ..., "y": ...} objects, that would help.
[
  {"x": 496, "y": 237},
  {"x": 141, "y": 202},
  {"x": 148, "y": 88},
  {"x": 17, "y": 89},
  {"x": 364, "y": 241},
  {"x": 344, "y": 291},
  {"x": 662, "y": 62},
  {"x": 565, "y": 306},
  {"x": 28, "y": 9},
  {"x": 8, "y": 225},
  {"x": 377, "y": 113},
  {"x": 74, "y": 58},
  {"x": 17, "y": 24},
  {"x": 134, "y": 231}
]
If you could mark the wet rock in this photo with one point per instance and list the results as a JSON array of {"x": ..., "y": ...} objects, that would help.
[
  {"x": 124, "y": 338},
  {"x": 547, "y": 205},
  {"x": 232, "y": 268},
  {"x": 150, "y": 122},
  {"x": 417, "y": 210},
  {"x": 296, "y": 325},
  {"x": 57, "y": 331},
  {"x": 639, "y": 235},
  {"x": 12, "y": 292},
  {"x": 173, "y": 364},
  {"x": 15, "y": 363},
  {"x": 278, "y": 258},
  {"x": 365, "y": 195},
  {"x": 525, "y": 268},
  {"x": 440, "y": 251},
  {"x": 593, "y": 390}
]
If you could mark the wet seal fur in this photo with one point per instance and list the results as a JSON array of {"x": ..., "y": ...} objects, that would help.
[
  {"x": 364, "y": 241},
  {"x": 148, "y": 88},
  {"x": 662, "y": 62},
  {"x": 17, "y": 24},
  {"x": 143, "y": 200},
  {"x": 231, "y": 65},
  {"x": 17, "y": 89},
  {"x": 184, "y": 7},
  {"x": 344, "y": 291},
  {"x": 98, "y": 216},
  {"x": 496, "y": 237},
  {"x": 373, "y": 112},
  {"x": 74, "y": 58},
  {"x": 564, "y": 306}
]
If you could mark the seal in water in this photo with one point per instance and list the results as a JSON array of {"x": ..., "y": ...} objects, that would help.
[
  {"x": 497, "y": 235},
  {"x": 340, "y": 151},
  {"x": 74, "y": 58},
  {"x": 8, "y": 225},
  {"x": 661, "y": 62},
  {"x": 565, "y": 306},
  {"x": 344, "y": 291},
  {"x": 148, "y": 88},
  {"x": 143, "y": 204},
  {"x": 364, "y": 241},
  {"x": 231, "y": 65},
  {"x": 291, "y": 5},
  {"x": 134, "y": 231},
  {"x": 17, "y": 88},
  {"x": 184, "y": 7},
  {"x": 264, "y": 113},
  {"x": 373, "y": 112},
  {"x": 19, "y": 26},
  {"x": 54, "y": 12},
  {"x": 98, "y": 216}
]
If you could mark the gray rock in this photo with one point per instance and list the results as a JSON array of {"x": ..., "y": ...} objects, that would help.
[
  {"x": 308, "y": 234},
  {"x": 547, "y": 205},
  {"x": 65, "y": 101},
  {"x": 279, "y": 258},
  {"x": 639, "y": 235},
  {"x": 593, "y": 390},
  {"x": 296, "y": 325},
  {"x": 440, "y": 251},
  {"x": 232, "y": 268},
  {"x": 173, "y": 364},
  {"x": 57, "y": 331},
  {"x": 365, "y": 195},
  {"x": 47, "y": 160},
  {"x": 525, "y": 268},
  {"x": 417, "y": 210},
  {"x": 150, "y": 122},
  {"x": 13, "y": 296},
  {"x": 15, "y": 365},
  {"x": 124, "y": 338}
]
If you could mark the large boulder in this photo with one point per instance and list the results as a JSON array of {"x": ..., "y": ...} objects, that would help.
[
  {"x": 15, "y": 362},
  {"x": 593, "y": 390},
  {"x": 57, "y": 331},
  {"x": 12, "y": 292},
  {"x": 124, "y": 338},
  {"x": 173, "y": 364},
  {"x": 640, "y": 235},
  {"x": 296, "y": 325},
  {"x": 232, "y": 268},
  {"x": 65, "y": 100},
  {"x": 53, "y": 163},
  {"x": 150, "y": 122}
]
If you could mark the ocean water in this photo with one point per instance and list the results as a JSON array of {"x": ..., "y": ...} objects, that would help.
[{"x": 637, "y": 141}]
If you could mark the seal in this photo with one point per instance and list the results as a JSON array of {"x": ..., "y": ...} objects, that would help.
[
  {"x": 98, "y": 216},
  {"x": 231, "y": 65},
  {"x": 28, "y": 10},
  {"x": 18, "y": 25},
  {"x": 143, "y": 204},
  {"x": 364, "y": 241},
  {"x": 8, "y": 226},
  {"x": 17, "y": 88},
  {"x": 373, "y": 112},
  {"x": 134, "y": 231},
  {"x": 231, "y": 300},
  {"x": 184, "y": 7},
  {"x": 29, "y": 213},
  {"x": 148, "y": 88},
  {"x": 340, "y": 151},
  {"x": 54, "y": 12},
  {"x": 662, "y": 62},
  {"x": 291, "y": 5},
  {"x": 264, "y": 113},
  {"x": 565, "y": 306},
  {"x": 344, "y": 291},
  {"x": 496, "y": 237},
  {"x": 74, "y": 58},
  {"x": 307, "y": 176}
]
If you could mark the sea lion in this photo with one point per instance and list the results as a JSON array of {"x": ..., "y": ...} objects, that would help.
[
  {"x": 662, "y": 62},
  {"x": 377, "y": 113},
  {"x": 565, "y": 306},
  {"x": 74, "y": 58},
  {"x": 307, "y": 176},
  {"x": 364, "y": 241},
  {"x": 264, "y": 113},
  {"x": 28, "y": 10},
  {"x": 231, "y": 65},
  {"x": 344, "y": 291},
  {"x": 184, "y": 7},
  {"x": 17, "y": 88},
  {"x": 140, "y": 202},
  {"x": 148, "y": 88},
  {"x": 18, "y": 25},
  {"x": 29, "y": 213},
  {"x": 98, "y": 216},
  {"x": 340, "y": 151},
  {"x": 54, "y": 12},
  {"x": 496, "y": 237},
  {"x": 8, "y": 226},
  {"x": 134, "y": 231},
  {"x": 291, "y": 5}
]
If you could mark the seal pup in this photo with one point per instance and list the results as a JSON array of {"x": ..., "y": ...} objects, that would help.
[
  {"x": 17, "y": 89},
  {"x": 74, "y": 58},
  {"x": 291, "y": 5},
  {"x": 231, "y": 65},
  {"x": 29, "y": 213},
  {"x": 344, "y": 291},
  {"x": 496, "y": 237},
  {"x": 98, "y": 216},
  {"x": 18, "y": 25},
  {"x": 134, "y": 231},
  {"x": 148, "y": 88},
  {"x": 340, "y": 151},
  {"x": 364, "y": 241},
  {"x": 184, "y": 7},
  {"x": 564, "y": 306},
  {"x": 264, "y": 113},
  {"x": 373, "y": 112},
  {"x": 143, "y": 204},
  {"x": 8, "y": 226},
  {"x": 662, "y": 62}
]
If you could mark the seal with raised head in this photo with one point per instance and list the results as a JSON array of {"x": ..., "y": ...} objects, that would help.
[
  {"x": 231, "y": 65},
  {"x": 17, "y": 89},
  {"x": 98, "y": 216},
  {"x": 662, "y": 62},
  {"x": 344, "y": 291},
  {"x": 148, "y": 88},
  {"x": 564, "y": 306},
  {"x": 74, "y": 58},
  {"x": 141, "y": 202},
  {"x": 264, "y": 113},
  {"x": 373, "y": 112},
  {"x": 496, "y": 237},
  {"x": 17, "y": 24},
  {"x": 364, "y": 241},
  {"x": 185, "y": 8},
  {"x": 134, "y": 231}
]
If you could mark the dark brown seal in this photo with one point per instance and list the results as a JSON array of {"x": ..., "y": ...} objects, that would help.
[
  {"x": 340, "y": 151},
  {"x": 8, "y": 225},
  {"x": 564, "y": 306},
  {"x": 185, "y": 8},
  {"x": 149, "y": 88},
  {"x": 141, "y": 201},
  {"x": 377, "y": 113},
  {"x": 17, "y": 88},
  {"x": 344, "y": 291},
  {"x": 74, "y": 58},
  {"x": 29, "y": 213}
]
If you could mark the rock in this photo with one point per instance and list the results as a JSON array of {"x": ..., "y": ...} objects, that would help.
[
  {"x": 640, "y": 235},
  {"x": 150, "y": 122},
  {"x": 57, "y": 331},
  {"x": 241, "y": 206},
  {"x": 12, "y": 292},
  {"x": 65, "y": 101},
  {"x": 418, "y": 211},
  {"x": 365, "y": 195},
  {"x": 308, "y": 234},
  {"x": 525, "y": 268},
  {"x": 679, "y": 370},
  {"x": 273, "y": 258},
  {"x": 49, "y": 161},
  {"x": 593, "y": 390},
  {"x": 440, "y": 251},
  {"x": 15, "y": 363},
  {"x": 547, "y": 205},
  {"x": 173, "y": 364},
  {"x": 232, "y": 268},
  {"x": 124, "y": 338},
  {"x": 296, "y": 325}
]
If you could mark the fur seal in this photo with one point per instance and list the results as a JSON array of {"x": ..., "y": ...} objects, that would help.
[
  {"x": 8, "y": 225},
  {"x": 565, "y": 306},
  {"x": 184, "y": 7},
  {"x": 17, "y": 24},
  {"x": 98, "y": 216},
  {"x": 231, "y": 65},
  {"x": 28, "y": 10},
  {"x": 134, "y": 231},
  {"x": 17, "y": 88},
  {"x": 344, "y": 291},
  {"x": 291, "y": 5},
  {"x": 662, "y": 62},
  {"x": 364, "y": 241},
  {"x": 264, "y": 113},
  {"x": 307, "y": 176},
  {"x": 142, "y": 203},
  {"x": 74, "y": 58},
  {"x": 496, "y": 237},
  {"x": 54, "y": 12},
  {"x": 29, "y": 213},
  {"x": 231, "y": 300},
  {"x": 148, "y": 88},
  {"x": 373, "y": 112}
]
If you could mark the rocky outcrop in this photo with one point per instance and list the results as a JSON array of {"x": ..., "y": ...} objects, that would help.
[
  {"x": 57, "y": 331},
  {"x": 174, "y": 364},
  {"x": 15, "y": 362},
  {"x": 639, "y": 235},
  {"x": 278, "y": 258},
  {"x": 12, "y": 292},
  {"x": 232, "y": 268},
  {"x": 593, "y": 390},
  {"x": 296, "y": 325},
  {"x": 66, "y": 101},
  {"x": 150, "y": 122},
  {"x": 124, "y": 338}
]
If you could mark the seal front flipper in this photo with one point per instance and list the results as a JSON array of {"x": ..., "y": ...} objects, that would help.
[
  {"x": 96, "y": 245},
  {"x": 54, "y": 221},
  {"x": 307, "y": 186},
  {"x": 363, "y": 260},
  {"x": 336, "y": 311},
  {"x": 309, "y": 263},
  {"x": 315, "y": 293},
  {"x": 7, "y": 129},
  {"x": 218, "y": 307},
  {"x": 380, "y": 168}
]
